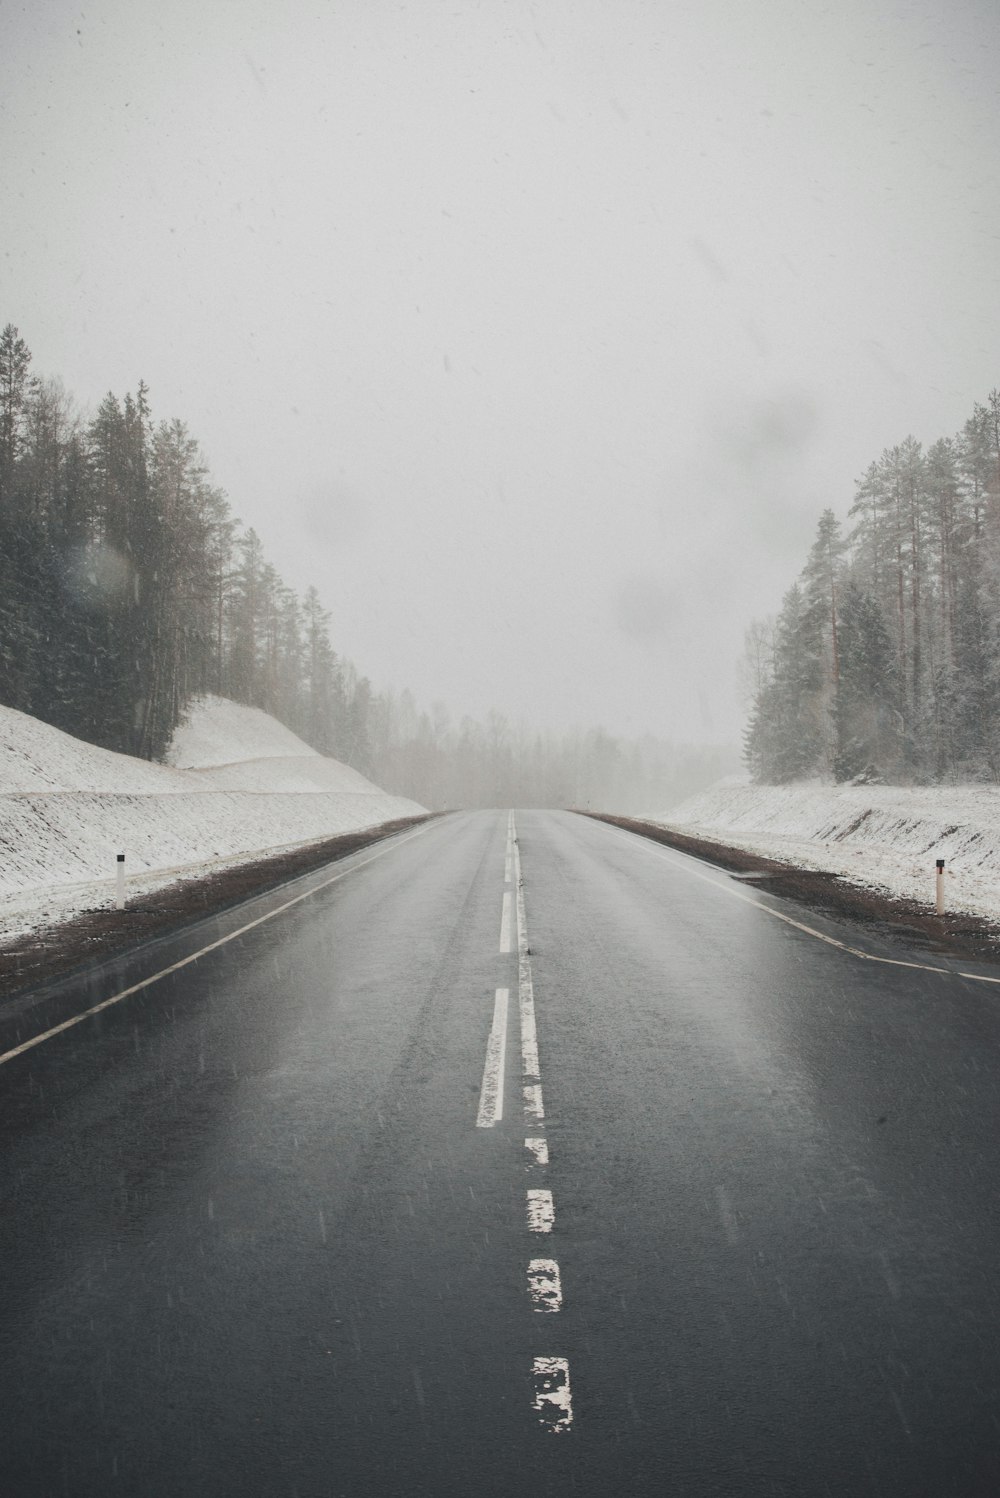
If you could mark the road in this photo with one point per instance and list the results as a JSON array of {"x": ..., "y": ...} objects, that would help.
[{"x": 271, "y": 1225}]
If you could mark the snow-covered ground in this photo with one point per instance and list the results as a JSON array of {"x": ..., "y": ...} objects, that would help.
[
  {"x": 882, "y": 835},
  {"x": 238, "y": 784}
]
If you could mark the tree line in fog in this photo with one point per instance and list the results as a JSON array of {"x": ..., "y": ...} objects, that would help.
[
  {"x": 496, "y": 763},
  {"x": 884, "y": 662},
  {"x": 128, "y": 588}
]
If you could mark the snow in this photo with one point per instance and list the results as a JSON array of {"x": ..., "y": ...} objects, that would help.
[
  {"x": 37, "y": 758},
  {"x": 237, "y": 748},
  {"x": 238, "y": 785},
  {"x": 216, "y": 732},
  {"x": 884, "y": 836}
]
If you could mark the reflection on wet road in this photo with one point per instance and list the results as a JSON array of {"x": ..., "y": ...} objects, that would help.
[{"x": 649, "y": 1194}]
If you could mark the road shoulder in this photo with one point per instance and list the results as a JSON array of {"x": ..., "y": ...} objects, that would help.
[
  {"x": 902, "y": 923},
  {"x": 54, "y": 953}
]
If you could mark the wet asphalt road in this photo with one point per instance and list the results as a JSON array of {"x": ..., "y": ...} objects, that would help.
[{"x": 253, "y": 1242}]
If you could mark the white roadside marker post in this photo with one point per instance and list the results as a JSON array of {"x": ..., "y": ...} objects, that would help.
[
  {"x": 120, "y": 892},
  {"x": 940, "y": 886}
]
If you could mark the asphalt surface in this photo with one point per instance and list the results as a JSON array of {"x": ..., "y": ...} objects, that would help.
[{"x": 260, "y": 1235}]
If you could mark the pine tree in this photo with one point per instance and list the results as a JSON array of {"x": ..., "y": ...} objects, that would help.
[
  {"x": 21, "y": 536},
  {"x": 866, "y": 707},
  {"x": 54, "y": 480},
  {"x": 114, "y": 573},
  {"x": 324, "y": 709},
  {"x": 359, "y": 703},
  {"x": 15, "y": 359},
  {"x": 788, "y": 734},
  {"x": 242, "y": 678}
]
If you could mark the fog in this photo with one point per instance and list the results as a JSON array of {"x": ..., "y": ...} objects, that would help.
[{"x": 535, "y": 335}]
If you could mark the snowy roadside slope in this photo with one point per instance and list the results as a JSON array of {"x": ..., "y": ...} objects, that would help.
[
  {"x": 67, "y": 808},
  {"x": 236, "y": 748},
  {"x": 37, "y": 758},
  {"x": 216, "y": 731},
  {"x": 880, "y": 835}
]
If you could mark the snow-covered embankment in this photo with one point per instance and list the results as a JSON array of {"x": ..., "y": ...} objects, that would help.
[
  {"x": 238, "y": 785},
  {"x": 879, "y": 835}
]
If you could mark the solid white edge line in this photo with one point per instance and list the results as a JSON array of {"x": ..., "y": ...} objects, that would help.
[
  {"x": 831, "y": 941},
  {"x": 491, "y": 1092},
  {"x": 77, "y": 1019}
]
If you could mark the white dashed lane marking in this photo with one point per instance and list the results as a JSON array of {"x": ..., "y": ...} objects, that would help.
[
  {"x": 544, "y": 1285},
  {"x": 491, "y": 1092},
  {"x": 538, "y": 1149},
  {"x": 505, "y": 923},
  {"x": 525, "y": 986},
  {"x": 526, "y": 1008},
  {"x": 541, "y": 1211},
  {"x": 533, "y": 1109},
  {"x": 552, "y": 1401}
]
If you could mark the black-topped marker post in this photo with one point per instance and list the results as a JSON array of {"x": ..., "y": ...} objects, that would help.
[{"x": 121, "y": 882}]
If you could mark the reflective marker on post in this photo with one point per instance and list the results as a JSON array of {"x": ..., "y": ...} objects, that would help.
[
  {"x": 940, "y": 886},
  {"x": 121, "y": 881}
]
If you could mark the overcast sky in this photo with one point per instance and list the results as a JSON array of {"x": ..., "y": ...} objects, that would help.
[{"x": 535, "y": 335}]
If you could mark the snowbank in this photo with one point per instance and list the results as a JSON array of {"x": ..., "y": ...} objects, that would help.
[
  {"x": 880, "y": 835},
  {"x": 35, "y": 757},
  {"x": 218, "y": 732},
  {"x": 237, "y": 748},
  {"x": 238, "y": 785}
]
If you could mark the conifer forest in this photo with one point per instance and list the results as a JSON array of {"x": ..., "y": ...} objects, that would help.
[
  {"x": 884, "y": 661},
  {"x": 128, "y": 587}
]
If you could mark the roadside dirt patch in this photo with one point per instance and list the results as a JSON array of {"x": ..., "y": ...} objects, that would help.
[
  {"x": 29, "y": 961},
  {"x": 902, "y": 922}
]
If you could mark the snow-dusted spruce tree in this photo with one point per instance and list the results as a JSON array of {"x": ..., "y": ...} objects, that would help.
[
  {"x": 54, "y": 479},
  {"x": 910, "y": 659},
  {"x": 973, "y": 695},
  {"x": 323, "y": 684},
  {"x": 822, "y": 581},
  {"x": 787, "y": 735},
  {"x": 121, "y": 593},
  {"x": 116, "y": 575},
  {"x": 15, "y": 361},
  {"x": 355, "y": 739},
  {"x": 792, "y": 731},
  {"x": 178, "y": 598},
  {"x": 889, "y": 561},
  {"x": 20, "y": 538},
  {"x": 866, "y": 705}
]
